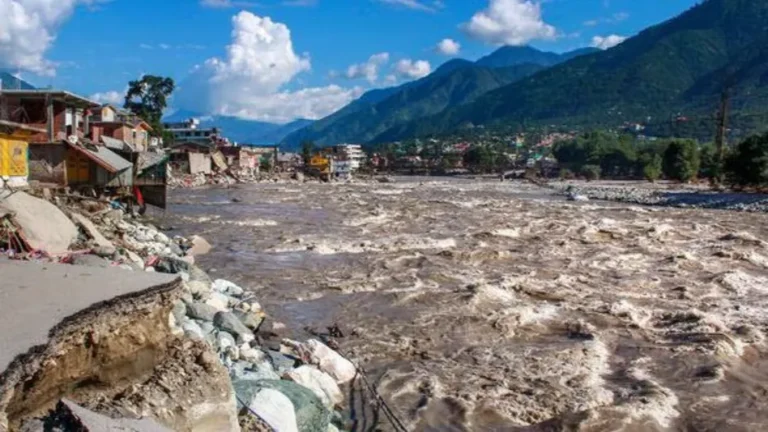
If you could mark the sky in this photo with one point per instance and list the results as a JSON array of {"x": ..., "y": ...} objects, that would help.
[{"x": 278, "y": 60}]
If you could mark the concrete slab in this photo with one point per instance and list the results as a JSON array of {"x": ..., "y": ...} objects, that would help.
[
  {"x": 44, "y": 226},
  {"x": 35, "y": 297},
  {"x": 92, "y": 231},
  {"x": 94, "y": 422}
]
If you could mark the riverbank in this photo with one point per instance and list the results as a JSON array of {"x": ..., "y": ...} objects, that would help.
[
  {"x": 270, "y": 381},
  {"x": 665, "y": 194}
]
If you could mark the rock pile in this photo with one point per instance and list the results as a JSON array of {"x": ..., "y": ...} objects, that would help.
[
  {"x": 288, "y": 385},
  {"x": 682, "y": 198}
]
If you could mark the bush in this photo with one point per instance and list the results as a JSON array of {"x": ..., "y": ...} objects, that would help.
[
  {"x": 747, "y": 165},
  {"x": 591, "y": 172},
  {"x": 681, "y": 160},
  {"x": 652, "y": 169},
  {"x": 566, "y": 174}
]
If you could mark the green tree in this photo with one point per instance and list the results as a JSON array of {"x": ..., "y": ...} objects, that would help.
[
  {"x": 747, "y": 165},
  {"x": 148, "y": 97},
  {"x": 681, "y": 160},
  {"x": 591, "y": 172},
  {"x": 307, "y": 149},
  {"x": 652, "y": 169},
  {"x": 480, "y": 159}
]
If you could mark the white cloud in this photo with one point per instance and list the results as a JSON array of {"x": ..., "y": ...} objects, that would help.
[
  {"x": 225, "y": 4},
  {"x": 433, "y": 6},
  {"x": 250, "y": 81},
  {"x": 448, "y": 47},
  {"x": 28, "y": 29},
  {"x": 408, "y": 68},
  {"x": 509, "y": 22},
  {"x": 605, "y": 42},
  {"x": 109, "y": 97},
  {"x": 368, "y": 70}
]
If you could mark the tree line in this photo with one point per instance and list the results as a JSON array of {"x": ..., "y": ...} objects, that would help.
[{"x": 600, "y": 154}]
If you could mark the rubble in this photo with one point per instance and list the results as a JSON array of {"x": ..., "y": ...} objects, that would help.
[
  {"x": 207, "y": 329},
  {"x": 44, "y": 226}
]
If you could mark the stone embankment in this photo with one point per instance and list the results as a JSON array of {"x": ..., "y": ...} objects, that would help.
[
  {"x": 671, "y": 196},
  {"x": 108, "y": 316}
]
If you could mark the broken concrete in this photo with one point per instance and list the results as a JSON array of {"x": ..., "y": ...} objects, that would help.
[
  {"x": 93, "y": 232},
  {"x": 44, "y": 226},
  {"x": 91, "y": 334},
  {"x": 71, "y": 416}
]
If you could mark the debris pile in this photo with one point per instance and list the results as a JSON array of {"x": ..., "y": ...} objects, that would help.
[{"x": 280, "y": 384}]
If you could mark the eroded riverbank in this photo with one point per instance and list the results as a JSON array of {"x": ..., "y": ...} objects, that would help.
[{"x": 495, "y": 306}]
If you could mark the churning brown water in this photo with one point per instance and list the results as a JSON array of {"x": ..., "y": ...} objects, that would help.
[{"x": 493, "y": 306}]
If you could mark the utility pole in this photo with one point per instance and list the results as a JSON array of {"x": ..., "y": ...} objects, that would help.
[{"x": 720, "y": 137}]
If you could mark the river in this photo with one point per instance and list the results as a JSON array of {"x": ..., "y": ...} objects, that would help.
[{"x": 482, "y": 306}]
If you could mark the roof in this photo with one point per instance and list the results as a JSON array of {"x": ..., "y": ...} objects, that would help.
[
  {"x": 103, "y": 156},
  {"x": 149, "y": 159},
  {"x": 287, "y": 157},
  {"x": 56, "y": 94},
  {"x": 116, "y": 144},
  {"x": 10, "y": 124}
]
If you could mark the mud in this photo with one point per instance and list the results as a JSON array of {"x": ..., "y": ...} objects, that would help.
[{"x": 498, "y": 306}]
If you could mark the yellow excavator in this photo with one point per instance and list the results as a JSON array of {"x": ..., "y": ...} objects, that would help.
[{"x": 321, "y": 165}]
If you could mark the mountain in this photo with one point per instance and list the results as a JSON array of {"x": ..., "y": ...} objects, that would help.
[
  {"x": 679, "y": 67},
  {"x": 515, "y": 55},
  {"x": 243, "y": 130},
  {"x": 454, "y": 83}
]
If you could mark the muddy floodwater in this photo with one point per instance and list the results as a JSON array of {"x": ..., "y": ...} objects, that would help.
[{"x": 485, "y": 306}]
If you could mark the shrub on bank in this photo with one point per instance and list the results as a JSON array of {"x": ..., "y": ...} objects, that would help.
[
  {"x": 591, "y": 172},
  {"x": 652, "y": 170},
  {"x": 747, "y": 165},
  {"x": 681, "y": 160}
]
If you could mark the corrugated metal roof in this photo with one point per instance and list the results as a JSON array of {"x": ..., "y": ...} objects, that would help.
[
  {"x": 115, "y": 144},
  {"x": 105, "y": 157},
  {"x": 149, "y": 159}
]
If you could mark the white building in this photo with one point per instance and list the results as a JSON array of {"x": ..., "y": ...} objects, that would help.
[{"x": 351, "y": 152}]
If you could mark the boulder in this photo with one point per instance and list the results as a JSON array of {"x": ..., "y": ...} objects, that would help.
[
  {"x": 173, "y": 265},
  {"x": 197, "y": 288},
  {"x": 322, "y": 384},
  {"x": 199, "y": 246},
  {"x": 201, "y": 311},
  {"x": 253, "y": 371},
  {"x": 192, "y": 330},
  {"x": 329, "y": 361},
  {"x": 224, "y": 340},
  {"x": 311, "y": 415},
  {"x": 228, "y": 288},
  {"x": 228, "y": 322},
  {"x": 251, "y": 355},
  {"x": 179, "y": 310},
  {"x": 252, "y": 320},
  {"x": 44, "y": 226},
  {"x": 281, "y": 362},
  {"x": 275, "y": 409},
  {"x": 218, "y": 300},
  {"x": 175, "y": 249}
]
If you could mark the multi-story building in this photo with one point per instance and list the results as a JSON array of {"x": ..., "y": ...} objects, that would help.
[
  {"x": 189, "y": 131},
  {"x": 352, "y": 153}
]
